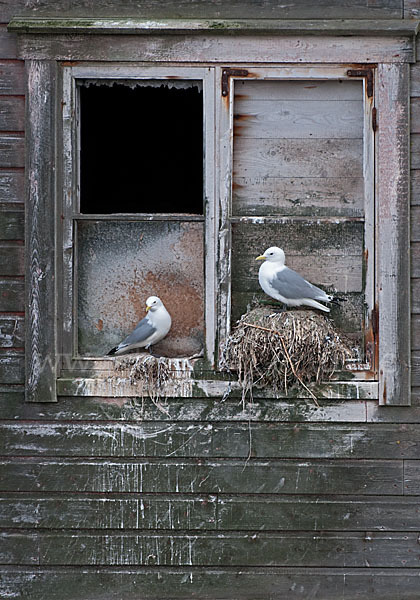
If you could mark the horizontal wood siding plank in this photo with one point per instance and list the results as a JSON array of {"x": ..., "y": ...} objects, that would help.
[
  {"x": 297, "y": 119},
  {"x": 289, "y": 9},
  {"x": 8, "y": 42},
  {"x": 415, "y": 260},
  {"x": 415, "y": 223},
  {"x": 415, "y": 188},
  {"x": 12, "y": 113},
  {"x": 248, "y": 583},
  {"x": 214, "y": 48},
  {"x": 12, "y": 186},
  {"x": 373, "y": 549},
  {"x": 415, "y": 332},
  {"x": 185, "y": 409},
  {"x": 227, "y": 440},
  {"x": 415, "y": 296},
  {"x": 309, "y": 90},
  {"x": 12, "y": 332},
  {"x": 298, "y": 196},
  {"x": 201, "y": 512},
  {"x": 12, "y": 151},
  {"x": 412, "y": 477},
  {"x": 295, "y": 158},
  {"x": 12, "y": 368},
  {"x": 11, "y": 223},
  {"x": 127, "y": 512},
  {"x": 205, "y": 476},
  {"x": 11, "y": 295},
  {"x": 11, "y": 259},
  {"x": 12, "y": 76}
]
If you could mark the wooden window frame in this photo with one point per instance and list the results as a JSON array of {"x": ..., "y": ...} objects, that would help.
[{"x": 45, "y": 110}]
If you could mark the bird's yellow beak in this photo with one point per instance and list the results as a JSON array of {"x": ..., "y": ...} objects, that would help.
[
  {"x": 262, "y": 257},
  {"x": 147, "y": 308}
]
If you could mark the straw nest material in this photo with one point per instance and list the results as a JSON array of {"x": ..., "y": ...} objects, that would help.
[
  {"x": 284, "y": 349},
  {"x": 152, "y": 373}
]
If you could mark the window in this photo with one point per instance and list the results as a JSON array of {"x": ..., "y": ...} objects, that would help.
[
  {"x": 310, "y": 152},
  {"x": 138, "y": 205}
]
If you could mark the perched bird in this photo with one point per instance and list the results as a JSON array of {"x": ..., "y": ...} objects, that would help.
[
  {"x": 284, "y": 284},
  {"x": 149, "y": 330}
]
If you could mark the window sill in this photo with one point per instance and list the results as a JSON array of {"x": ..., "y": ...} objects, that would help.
[{"x": 183, "y": 384}]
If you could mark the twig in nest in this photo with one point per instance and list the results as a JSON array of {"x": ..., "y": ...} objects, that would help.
[{"x": 314, "y": 398}]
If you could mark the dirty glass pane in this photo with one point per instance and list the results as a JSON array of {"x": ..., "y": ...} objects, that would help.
[{"x": 120, "y": 264}]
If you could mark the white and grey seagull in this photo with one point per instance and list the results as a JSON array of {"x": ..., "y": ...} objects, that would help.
[
  {"x": 150, "y": 330},
  {"x": 287, "y": 286}
]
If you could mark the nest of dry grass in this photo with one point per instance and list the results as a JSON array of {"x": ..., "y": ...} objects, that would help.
[
  {"x": 284, "y": 349},
  {"x": 153, "y": 373}
]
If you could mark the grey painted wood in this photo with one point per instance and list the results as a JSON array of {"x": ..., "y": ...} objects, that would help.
[
  {"x": 8, "y": 43},
  {"x": 287, "y": 9},
  {"x": 12, "y": 77},
  {"x": 213, "y": 48},
  {"x": 12, "y": 113},
  {"x": 393, "y": 236},
  {"x": 228, "y": 440},
  {"x": 295, "y": 158},
  {"x": 127, "y": 512},
  {"x": 12, "y": 295},
  {"x": 374, "y": 549},
  {"x": 12, "y": 148},
  {"x": 12, "y": 186},
  {"x": 12, "y": 367},
  {"x": 411, "y": 9},
  {"x": 256, "y": 512},
  {"x": 298, "y": 196},
  {"x": 248, "y": 583},
  {"x": 11, "y": 332},
  {"x": 41, "y": 296},
  {"x": 193, "y": 410},
  {"x": 204, "y": 476},
  {"x": 415, "y": 296},
  {"x": 11, "y": 222},
  {"x": 11, "y": 259}
]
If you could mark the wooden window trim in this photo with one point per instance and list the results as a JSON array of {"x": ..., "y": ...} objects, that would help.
[{"x": 44, "y": 110}]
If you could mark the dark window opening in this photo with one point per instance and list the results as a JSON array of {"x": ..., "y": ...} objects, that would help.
[{"x": 141, "y": 149}]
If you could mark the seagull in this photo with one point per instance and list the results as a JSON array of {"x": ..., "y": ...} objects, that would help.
[
  {"x": 149, "y": 330},
  {"x": 284, "y": 284}
]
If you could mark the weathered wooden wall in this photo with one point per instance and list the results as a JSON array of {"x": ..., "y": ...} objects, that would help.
[{"x": 201, "y": 498}]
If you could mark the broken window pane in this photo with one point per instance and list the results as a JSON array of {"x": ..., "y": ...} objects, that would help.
[{"x": 141, "y": 147}]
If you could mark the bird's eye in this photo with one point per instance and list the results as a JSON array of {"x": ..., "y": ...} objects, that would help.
[{"x": 271, "y": 253}]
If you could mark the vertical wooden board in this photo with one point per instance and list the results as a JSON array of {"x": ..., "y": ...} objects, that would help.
[
  {"x": 40, "y": 233},
  {"x": 393, "y": 236}
]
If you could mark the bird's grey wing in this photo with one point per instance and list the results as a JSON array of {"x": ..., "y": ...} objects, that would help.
[
  {"x": 142, "y": 331},
  {"x": 293, "y": 286}
]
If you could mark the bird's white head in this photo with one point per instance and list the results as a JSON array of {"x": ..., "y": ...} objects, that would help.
[
  {"x": 153, "y": 303},
  {"x": 273, "y": 254}
]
